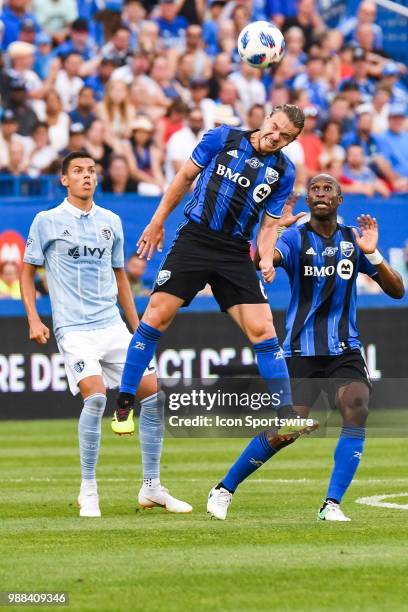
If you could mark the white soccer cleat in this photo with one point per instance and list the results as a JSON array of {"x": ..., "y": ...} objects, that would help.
[
  {"x": 160, "y": 497},
  {"x": 88, "y": 501},
  {"x": 218, "y": 503},
  {"x": 330, "y": 511}
]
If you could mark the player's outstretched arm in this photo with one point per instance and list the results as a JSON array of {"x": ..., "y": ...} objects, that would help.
[
  {"x": 389, "y": 279},
  {"x": 266, "y": 240},
  {"x": 38, "y": 331},
  {"x": 125, "y": 298},
  {"x": 153, "y": 235}
]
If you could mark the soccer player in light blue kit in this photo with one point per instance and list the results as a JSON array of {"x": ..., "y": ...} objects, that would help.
[{"x": 81, "y": 246}]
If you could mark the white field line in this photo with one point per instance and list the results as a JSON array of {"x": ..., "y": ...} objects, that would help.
[
  {"x": 378, "y": 501},
  {"x": 252, "y": 481}
]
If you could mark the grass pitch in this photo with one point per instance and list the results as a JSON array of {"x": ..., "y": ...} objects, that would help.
[{"x": 270, "y": 554}]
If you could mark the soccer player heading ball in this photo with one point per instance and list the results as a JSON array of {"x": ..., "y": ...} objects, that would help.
[
  {"x": 322, "y": 259},
  {"x": 81, "y": 246},
  {"x": 243, "y": 176}
]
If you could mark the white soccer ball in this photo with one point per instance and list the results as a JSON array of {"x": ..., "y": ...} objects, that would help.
[{"x": 261, "y": 44}]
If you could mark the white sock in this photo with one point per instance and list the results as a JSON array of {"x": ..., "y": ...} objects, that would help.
[
  {"x": 151, "y": 483},
  {"x": 87, "y": 484}
]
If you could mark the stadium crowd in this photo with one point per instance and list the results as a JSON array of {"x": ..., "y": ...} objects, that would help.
[{"x": 135, "y": 83}]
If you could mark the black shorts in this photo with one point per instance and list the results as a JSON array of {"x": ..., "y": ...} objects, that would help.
[
  {"x": 200, "y": 256},
  {"x": 312, "y": 375}
]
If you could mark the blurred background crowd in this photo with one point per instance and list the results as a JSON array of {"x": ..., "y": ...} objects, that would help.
[{"x": 135, "y": 83}]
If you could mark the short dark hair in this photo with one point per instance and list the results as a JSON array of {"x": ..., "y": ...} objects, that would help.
[
  {"x": 71, "y": 156},
  {"x": 293, "y": 113}
]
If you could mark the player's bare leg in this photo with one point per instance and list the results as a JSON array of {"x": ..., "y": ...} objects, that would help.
[
  {"x": 352, "y": 401},
  {"x": 93, "y": 393}
]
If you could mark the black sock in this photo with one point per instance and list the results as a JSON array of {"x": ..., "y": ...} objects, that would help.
[
  {"x": 125, "y": 400},
  {"x": 221, "y": 485}
]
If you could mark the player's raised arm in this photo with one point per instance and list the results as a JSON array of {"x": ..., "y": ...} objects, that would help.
[
  {"x": 38, "y": 331},
  {"x": 266, "y": 240},
  {"x": 389, "y": 279},
  {"x": 153, "y": 235}
]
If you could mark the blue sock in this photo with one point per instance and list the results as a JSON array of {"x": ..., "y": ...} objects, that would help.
[
  {"x": 253, "y": 456},
  {"x": 151, "y": 430},
  {"x": 273, "y": 369},
  {"x": 89, "y": 434},
  {"x": 346, "y": 460},
  {"x": 140, "y": 352}
]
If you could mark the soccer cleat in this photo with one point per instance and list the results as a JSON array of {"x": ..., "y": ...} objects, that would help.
[
  {"x": 160, "y": 497},
  {"x": 88, "y": 502},
  {"x": 330, "y": 511},
  {"x": 218, "y": 503},
  {"x": 122, "y": 422}
]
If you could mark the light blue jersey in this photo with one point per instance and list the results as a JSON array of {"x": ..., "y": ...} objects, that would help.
[{"x": 79, "y": 252}]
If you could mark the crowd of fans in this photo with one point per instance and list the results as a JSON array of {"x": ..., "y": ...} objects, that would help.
[{"x": 136, "y": 83}]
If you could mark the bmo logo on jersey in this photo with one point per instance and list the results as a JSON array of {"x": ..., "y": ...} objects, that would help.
[
  {"x": 235, "y": 177},
  {"x": 344, "y": 269}
]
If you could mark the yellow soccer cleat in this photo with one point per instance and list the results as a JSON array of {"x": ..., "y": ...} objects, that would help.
[{"x": 122, "y": 422}]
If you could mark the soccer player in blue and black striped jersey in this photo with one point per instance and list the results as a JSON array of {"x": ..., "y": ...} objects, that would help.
[
  {"x": 322, "y": 348},
  {"x": 243, "y": 176}
]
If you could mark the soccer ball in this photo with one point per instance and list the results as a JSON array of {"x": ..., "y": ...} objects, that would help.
[{"x": 261, "y": 44}]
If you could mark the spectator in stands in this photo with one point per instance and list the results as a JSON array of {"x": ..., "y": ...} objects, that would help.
[
  {"x": 8, "y": 134},
  {"x": 135, "y": 270},
  {"x": 295, "y": 42},
  {"x": 199, "y": 97},
  {"x": 222, "y": 68},
  {"x": 364, "y": 180},
  {"x": 224, "y": 114},
  {"x": 279, "y": 10},
  {"x": 19, "y": 102},
  {"x": 194, "y": 46},
  {"x": 351, "y": 92},
  {"x": 149, "y": 40},
  {"x": 57, "y": 120},
  {"x": 182, "y": 143},
  {"x": 118, "y": 179},
  {"x": 311, "y": 143},
  {"x": 172, "y": 27},
  {"x": 43, "y": 154},
  {"x": 100, "y": 78},
  {"x": 96, "y": 145},
  {"x": 367, "y": 13},
  {"x": 360, "y": 78},
  {"x": 76, "y": 140},
  {"x": 331, "y": 135},
  {"x": 43, "y": 55},
  {"x": 162, "y": 76},
  {"x": 228, "y": 96},
  {"x": 78, "y": 41},
  {"x": 226, "y": 38},
  {"x": 172, "y": 122},
  {"x": 362, "y": 134},
  {"x": 27, "y": 31},
  {"x": 116, "y": 111},
  {"x": 279, "y": 95},
  {"x": 9, "y": 281},
  {"x": 249, "y": 86},
  {"x": 211, "y": 26},
  {"x": 55, "y": 16},
  {"x": 119, "y": 46},
  {"x": 393, "y": 143},
  {"x": 14, "y": 13},
  {"x": 133, "y": 15},
  {"x": 137, "y": 67},
  {"x": 185, "y": 70},
  {"x": 144, "y": 158},
  {"x": 85, "y": 111},
  {"x": 21, "y": 55},
  {"x": 255, "y": 116},
  {"x": 340, "y": 111},
  {"x": 68, "y": 83},
  {"x": 313, "y": 81},
  {"x": 307, "y": 19},
  {"x": 17, "y": 162},
  {"x": 381, "y": 106},
  {"x": 391, "y": 78}
]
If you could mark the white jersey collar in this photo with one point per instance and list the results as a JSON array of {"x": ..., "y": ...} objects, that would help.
[{"x": 77, "y": 212}]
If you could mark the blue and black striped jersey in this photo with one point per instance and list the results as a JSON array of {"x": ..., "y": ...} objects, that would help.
[
  {"x": 321, "y": 318},
  {"x": 237, "y": 183}
]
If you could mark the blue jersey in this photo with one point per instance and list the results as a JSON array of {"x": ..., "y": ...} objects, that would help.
[
  {"x": 321, "y": 318},
  {"x": 237, "y": 183}
]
